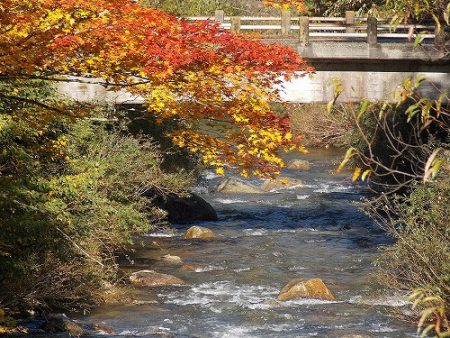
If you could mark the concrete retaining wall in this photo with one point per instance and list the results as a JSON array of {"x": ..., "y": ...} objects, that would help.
[{"x": 317, "y": 88}]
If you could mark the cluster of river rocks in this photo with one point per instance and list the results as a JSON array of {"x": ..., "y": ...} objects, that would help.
[{"x": 297, "y": 288}]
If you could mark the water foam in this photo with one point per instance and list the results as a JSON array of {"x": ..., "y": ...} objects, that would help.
[
  {"x": 161, "y": 234},
  {"x": 229, "y": 201},
  {"x": 209, "y": 294}
]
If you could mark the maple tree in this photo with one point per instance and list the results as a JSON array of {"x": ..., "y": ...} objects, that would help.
[{"x": 190, "y": 72}]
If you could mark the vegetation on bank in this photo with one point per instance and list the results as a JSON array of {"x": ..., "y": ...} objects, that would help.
[
  {"x": 71, "y": 202},
  {"x": 419, "y": 261},
  {"x": 403, "y": 150}
]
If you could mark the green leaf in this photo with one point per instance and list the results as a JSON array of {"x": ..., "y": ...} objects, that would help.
[
  {"x": 436, "y": 166},
  {"x": 412, "y": 111},
  {"x": 418, "y": 40},
  {"x": 363, "y": 109}
]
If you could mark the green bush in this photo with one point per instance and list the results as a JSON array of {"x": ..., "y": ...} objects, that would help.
[
  {"x": 420, "y": 258},
  {"x": 71, "y": 200}
]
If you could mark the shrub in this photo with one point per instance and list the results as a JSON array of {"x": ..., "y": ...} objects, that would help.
[
  {"x": 419, "y": 261},
  {"x": 71, "y": 199}
]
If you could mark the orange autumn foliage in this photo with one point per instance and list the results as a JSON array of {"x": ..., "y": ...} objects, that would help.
[{"x": 194, "y": 73}]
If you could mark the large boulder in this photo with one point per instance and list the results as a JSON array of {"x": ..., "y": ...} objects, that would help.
[
  {"x": 281, "y": 183},
  {"x": 235, "y": 186},
  {"x": 197, "y": 232},
  {"x": 299, "y": 165},
  {"x": 151, "y": 278},
  {"x": 298, "y": 288},
  {"x": 183, "y": 209}
]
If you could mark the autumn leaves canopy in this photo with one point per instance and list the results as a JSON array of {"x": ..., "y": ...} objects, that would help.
[{"x": 216, "y": 85}]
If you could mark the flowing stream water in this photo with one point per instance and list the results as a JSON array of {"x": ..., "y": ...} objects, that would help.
[{"x": 265, "y": 240}]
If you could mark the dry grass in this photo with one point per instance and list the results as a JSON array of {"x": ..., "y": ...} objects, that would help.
[{"x": 321, "y": 127}]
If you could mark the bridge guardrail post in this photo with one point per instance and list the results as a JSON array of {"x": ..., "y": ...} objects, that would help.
[
  {"x": 304, "y": 31},
  {"x": 219, "y": 15},
  {"x": 350, "y": 21},
  {"x": 236, "y": 24},
  {"x": 285, "y": 22},
  {"x": 372, "y": 36}
]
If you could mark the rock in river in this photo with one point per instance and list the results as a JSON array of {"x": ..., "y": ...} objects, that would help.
[
  {"x": 299, "y": 165},
  {"x": 190, "y": 268},
  {"x": 151, "y": 278},
  {"x": 298, "y": 288},
  {"x": 197, "y": 232},
  {"x": 61, "y": 323},
  {"x": 281, "y": 183},
  {"x": 171, "y": 260},
  {"x": 183, "y": 209},
  {"x": 235, "y": 186}
]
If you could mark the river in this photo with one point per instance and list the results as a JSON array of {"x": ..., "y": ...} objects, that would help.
[{"x": 265, "y": 240}]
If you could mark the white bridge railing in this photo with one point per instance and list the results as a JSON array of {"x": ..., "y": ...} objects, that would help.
[{"x": 309, "y": 29}]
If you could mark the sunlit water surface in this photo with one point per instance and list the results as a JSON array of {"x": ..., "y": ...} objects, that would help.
[{"x": 265, "y": 240}]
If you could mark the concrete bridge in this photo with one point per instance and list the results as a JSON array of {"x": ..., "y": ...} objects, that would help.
[{"x": 365, "y": 55}]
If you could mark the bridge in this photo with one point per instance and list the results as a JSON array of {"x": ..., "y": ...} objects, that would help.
[
  {"x": 368, "y": 56},
  {"x": 349, "y": 43}
]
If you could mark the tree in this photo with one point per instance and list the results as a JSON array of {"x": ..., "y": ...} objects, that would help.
[
  {"x": 197, "y": 7},
  {"x": 194, "y": 73},
  {"x": 418, "y": 10},
  {"x": 286, "y": 4}
]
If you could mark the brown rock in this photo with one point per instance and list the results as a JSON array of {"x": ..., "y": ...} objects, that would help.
[
  {"x": 151, "y": 278},
  {"x": 313, "y": 288},
  {"x": 299, "y": 165},
  {"x": 235, "y": 186},
  {"x": 171, "y": 260},
  {"x": 197, "y": 232},
  {"x": 102, "y": 328},
  {"x": 60, "y": 323},
  {"x": 280, "y": 183},
  {"x": 189, "y": 267}
]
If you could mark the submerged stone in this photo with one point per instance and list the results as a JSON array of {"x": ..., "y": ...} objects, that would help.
[
  {"x": 298, "y": 288},
  {"x": 281, "y": 183},
  {"x": 189, "y": 267},
  {"x": 197, "y": 232},
  {"x": 299, "y": 165},
  {"x": 151, "y": 278},
  {"x": 235, "y": 186},
  {"x": 102, "y": 329},
  {"x": 171, "y": 260}
]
